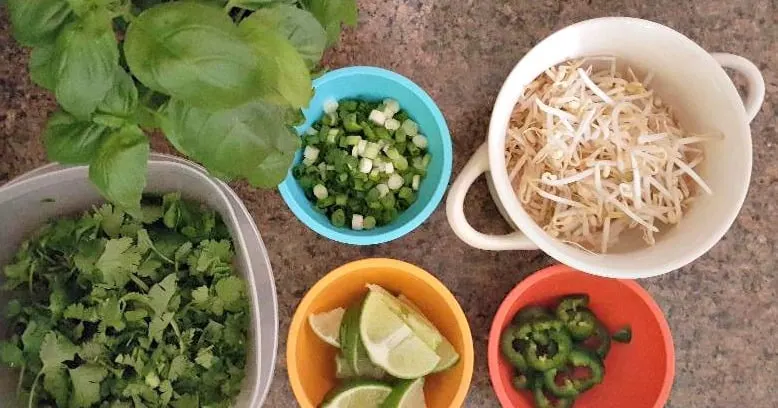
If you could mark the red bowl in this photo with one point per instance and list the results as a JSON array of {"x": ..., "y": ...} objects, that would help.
[{"x": 637, "y": 375}]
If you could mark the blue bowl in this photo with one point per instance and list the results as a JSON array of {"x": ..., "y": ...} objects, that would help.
[{"x": 370, "y": 83}]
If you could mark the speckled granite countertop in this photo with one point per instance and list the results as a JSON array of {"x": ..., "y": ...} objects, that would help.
[{"x": 722, "y": 309}]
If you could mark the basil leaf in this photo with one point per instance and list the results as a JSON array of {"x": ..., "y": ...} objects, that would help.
[
  {"x": 86, "y": 57},
  {"x": 119, "y": 168},
  {"x": 287, "y": 79},
  {"x": 38, "y": 22},
  {"x": 192, "y": 52},
  {"x": 299, "y": 27},
  {"x": 250, "y": 141},
  {"x": 71, "y": 141},
  {"x": 41, "y": 68},
  {"x": 257, "y": 4},
  {"x": 331, "y": 14},
  {"x": 122, "y": 99}
]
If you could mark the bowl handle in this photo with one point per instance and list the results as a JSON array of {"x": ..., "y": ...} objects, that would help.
[
  {"x": 756, "y": 86},
  {"x": 477, "y": 165}
]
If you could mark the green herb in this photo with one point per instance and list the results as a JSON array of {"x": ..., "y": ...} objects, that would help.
[
  {"x": 126, "y": 311},
  {"x": 116, "y": 66}
]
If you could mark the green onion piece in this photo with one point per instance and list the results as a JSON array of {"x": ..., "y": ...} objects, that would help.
[
  {"x": 338, "y": 218},
  {"x": 368, "y": 222},
  {"x": 325, "y": 202},
  {"x": 400, "y": 135},
  {"x": 341, "y": 199}
]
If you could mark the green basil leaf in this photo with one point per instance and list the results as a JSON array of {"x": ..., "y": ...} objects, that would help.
[
  {"x": 83, "y": 7},
  {"x": 193, "y": 52},
  {"x": 71, "y": 141},
  {"x": 119, "y": 168},
  {"x": 122, "y": 99},
  {"x": 251, "y": 141},
  {"x": 38, "y": 22},
  {"x": 85, "y": 59},
  {"x": 331, "y": 14},
  {"x": 287, "y": 79},
  {"x": 42, "y": 70},
  {"x": 299, "y": 27},
  {"x": 257, "y": 4}
]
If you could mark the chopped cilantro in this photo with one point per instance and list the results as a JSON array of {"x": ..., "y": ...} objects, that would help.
[{"x": 110, "y": 310}]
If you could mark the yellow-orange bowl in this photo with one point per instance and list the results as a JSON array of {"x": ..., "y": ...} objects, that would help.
[{"x": 311, "y": 362}]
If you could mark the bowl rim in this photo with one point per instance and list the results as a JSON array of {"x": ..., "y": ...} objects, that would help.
[
  {"x": 501, "y": 316},
  {"x": 344, "y": 235},
  {"x": 299, "y": 319}
]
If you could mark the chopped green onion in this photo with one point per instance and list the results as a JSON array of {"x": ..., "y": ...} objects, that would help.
[
  {"x": 357, "y": 222},
  {"x": 320, "y": 192},
  {"x": 369, "y": 222},
  {"x": 338, "y": 218},
  {"x": 420, "y": 141},
  {"x": 377, "y": 117},
  {"x": 392, "y": 124},
  {"x": 325, "y": 202},
  {"x": 341, "y": 199},
  {"x": 410, "y": 127},
  {"x": 330, "y": 106},
  {"x": 353, "y": 140},
  {"x": 416, "y": 181},
  {"x": 310, "y": 155},
  {"x": 395, "y": 182},
  {"x": 365, "y": 165}
]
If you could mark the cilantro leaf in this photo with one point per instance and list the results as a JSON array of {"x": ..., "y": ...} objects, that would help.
[
  {"x": 33, "y": 336},
  {"x": 17, "y": 273},
  {"x": 205, "y": 357},
  {"x": 178, "y": 366},
  {"x": 159, "y": 324},
  {"x": 86, "y": 385},
  {"x": 111, "y": 219},
  {"x": 55, "y": 350},
  {"x": 80, "y": 312},
  {"x": 111, "y": 314},
  {"x": 11, "y": 355},
  {"x": 161, "y": 293},
  {"x": 87, "y": 255},
  {"x": 118, "y": 260},
  {"x": 56, "y": 382}
]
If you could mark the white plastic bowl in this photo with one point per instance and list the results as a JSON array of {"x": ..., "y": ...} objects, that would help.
[{"x": 24, "y": 208}]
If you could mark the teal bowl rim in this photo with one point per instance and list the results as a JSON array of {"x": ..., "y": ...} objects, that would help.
[{"x": 345, "y": 235}]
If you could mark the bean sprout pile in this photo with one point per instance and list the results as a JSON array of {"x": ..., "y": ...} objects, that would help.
[{"x": 591, "y": 152}]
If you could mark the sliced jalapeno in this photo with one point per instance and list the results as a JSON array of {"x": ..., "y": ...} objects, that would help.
[
  {"x": 513, "y": 342},
  {"x": 531, "y": 313},
  {"x": 543, "y": 401}
]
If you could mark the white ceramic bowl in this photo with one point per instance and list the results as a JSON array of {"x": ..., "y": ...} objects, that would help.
[
  {"x": 22, "y": 211},
  {"x": 687, "y": 78}
]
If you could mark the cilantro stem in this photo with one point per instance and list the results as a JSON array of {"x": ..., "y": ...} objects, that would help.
[
  {"x": 140, "y": 283},
  {"x": 21, "y": 380},
  {"x": 32, "y": 391},
  {"x": 178, "y": 334}
]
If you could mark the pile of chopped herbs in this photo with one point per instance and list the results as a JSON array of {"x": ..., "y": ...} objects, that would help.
[{"x": 112, "y": 311}]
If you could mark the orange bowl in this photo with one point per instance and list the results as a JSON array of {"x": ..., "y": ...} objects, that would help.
[
  {"x": 637, "y": 375},
  {"x": 310, "y": 361}
]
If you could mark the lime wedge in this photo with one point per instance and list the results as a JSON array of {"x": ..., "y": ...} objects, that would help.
[
  {"x": 327, "y": 325},
  {"x": 357, "y": 394},
  {"x": 448, "y": 356},
  {"x": 411, "y": 316},
  {"x": 406, "y": 394},
  {"x": 343, "y": 369},
  {"x": 354, "y": 352},
  {"x": 391, "y": 344}
]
